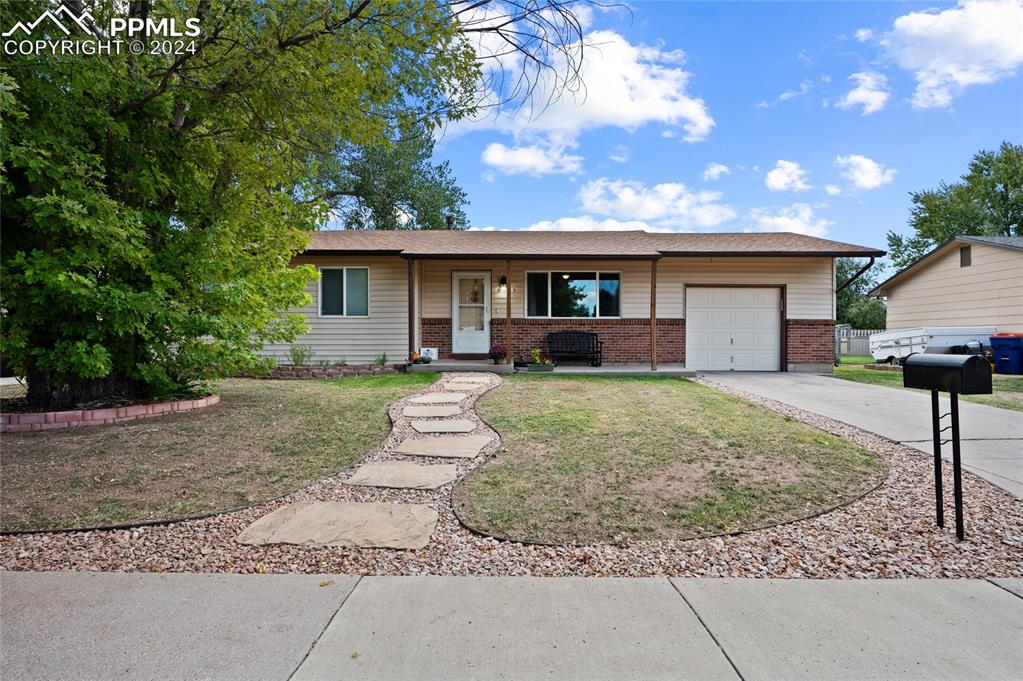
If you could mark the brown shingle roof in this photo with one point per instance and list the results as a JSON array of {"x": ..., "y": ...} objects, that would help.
[{"x": 622, "y": 244}]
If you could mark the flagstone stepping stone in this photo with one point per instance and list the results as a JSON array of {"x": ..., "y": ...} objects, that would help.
[
  {"x": 432, "y": 410},
  {"x": 450, "y": 426},
  {"x": 448, "y": 446},
  {"x": 349, "y": 524},
  {"x": 465, "y": 386},
  {"x": 458, "y": 379},
  {"x": 438, "y": 398},
  {"x": 403, "y": 474}
]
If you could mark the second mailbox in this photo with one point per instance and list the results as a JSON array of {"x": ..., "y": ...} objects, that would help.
[{"x": 963, "y": 374}]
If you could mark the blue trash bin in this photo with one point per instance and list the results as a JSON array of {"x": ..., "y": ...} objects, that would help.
[{"x": 1008, "y": 351}]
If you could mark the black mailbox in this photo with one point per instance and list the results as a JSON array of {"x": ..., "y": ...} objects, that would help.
[{"x": 963, "y": 374}]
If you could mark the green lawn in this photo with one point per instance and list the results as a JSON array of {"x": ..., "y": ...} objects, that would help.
[
  {"x": 264, "y": 438},
  {"x": 1008, "y": 390},
  {"x": 856, "y": 359},
  {"x": 593, "y": 459}
]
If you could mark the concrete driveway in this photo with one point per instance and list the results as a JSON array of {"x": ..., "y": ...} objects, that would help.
[{"x": 992, "y": 438}]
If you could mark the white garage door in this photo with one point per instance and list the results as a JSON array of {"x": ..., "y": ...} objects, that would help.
[{"x": 733, "y": 329}]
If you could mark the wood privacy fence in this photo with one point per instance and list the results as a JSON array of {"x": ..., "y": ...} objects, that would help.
[{"x": 850, "y": 342}]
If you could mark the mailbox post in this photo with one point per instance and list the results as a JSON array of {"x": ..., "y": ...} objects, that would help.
[{"x": 956, "y": 375}]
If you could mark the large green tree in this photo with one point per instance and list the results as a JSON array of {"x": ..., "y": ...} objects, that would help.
[
  {"x": 152, "y": 203},
  {"x": 986, "y": 201},
  {"x": 392, "y": 186}
]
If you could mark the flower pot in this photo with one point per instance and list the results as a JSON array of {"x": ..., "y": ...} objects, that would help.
[{"x": 539, "y": 367}]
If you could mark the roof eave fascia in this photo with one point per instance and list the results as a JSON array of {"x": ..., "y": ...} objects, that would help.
[{"x": 774, "y": 254}]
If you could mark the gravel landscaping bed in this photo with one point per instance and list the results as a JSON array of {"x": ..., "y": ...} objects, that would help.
[{"x": 888, "y": 533}]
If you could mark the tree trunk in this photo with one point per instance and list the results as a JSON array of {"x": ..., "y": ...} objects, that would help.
[{"x": 44, "y": 391}]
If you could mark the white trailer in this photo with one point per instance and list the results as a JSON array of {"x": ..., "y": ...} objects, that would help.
[{"x": 894, "y": 346}]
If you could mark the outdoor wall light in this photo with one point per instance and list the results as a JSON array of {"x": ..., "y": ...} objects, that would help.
[{"x": 502, "y": 286}]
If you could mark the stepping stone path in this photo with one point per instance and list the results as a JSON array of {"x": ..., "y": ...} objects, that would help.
[
  {"x": 448, "y": 446},
  {"x": 403, "y": 474},
  {"x": 449, "y": 426},
  {"x": 432, "y": 411},
  {"x": 438, "y": 398},
  {"x": 351, "y": 524},
  {"x": 386, "y": 525}
]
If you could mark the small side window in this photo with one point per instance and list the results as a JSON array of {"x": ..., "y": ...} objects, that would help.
[{"x": 965, "y": 256}]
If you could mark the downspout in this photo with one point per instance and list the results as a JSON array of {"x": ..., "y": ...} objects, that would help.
[{"x": 855, "y": 276}]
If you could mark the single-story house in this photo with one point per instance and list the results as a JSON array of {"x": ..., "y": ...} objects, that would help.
[
  {"x": 966, "y": 281},
  {"x": 761, "y": 302}
]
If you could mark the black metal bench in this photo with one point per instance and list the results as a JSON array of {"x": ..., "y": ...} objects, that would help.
[{"x": 575, "y": 345}]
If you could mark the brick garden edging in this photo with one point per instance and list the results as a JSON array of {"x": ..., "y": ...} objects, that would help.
[
  {"x": 288, "y": 372},
  {"x": 50, "y": 420}
]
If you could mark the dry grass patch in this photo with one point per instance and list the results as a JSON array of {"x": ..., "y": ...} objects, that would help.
[
  {"x": 596, "y": 459},
  {"x": 264, "y": 438}
]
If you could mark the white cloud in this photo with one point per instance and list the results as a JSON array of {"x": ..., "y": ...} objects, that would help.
[
  {"x": 871, "y": 92},
  {"x": 864, "y": 34},
  {"x": 715, "y": 170},
  {"x": 786, "y": 176},
  {"x": 620, "y": 154},
  {"x": 974, "y": 43},
  {"x": 799, "y": 217},
  {"x": 863, "y": 172},
  {"x": 833, "y": 189},
  {"x": 625, "y": 85},
  {"x": 532, "y": 159},
  {"x": 668, "y": 205},
  {"x": 585, "y": 223}
]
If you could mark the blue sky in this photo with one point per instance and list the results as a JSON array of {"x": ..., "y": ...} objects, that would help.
[{"x": 818, "y": 117}]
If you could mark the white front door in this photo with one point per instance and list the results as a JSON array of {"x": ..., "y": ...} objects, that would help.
[
  {"x": 733, "y": 329},
  {"x": 470, "y": 313}
]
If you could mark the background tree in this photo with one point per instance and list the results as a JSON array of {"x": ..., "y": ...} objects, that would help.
[
  {"x": 987, "y": 201},
  {"x": 392, "y": 186},
  {"x": 152, "y": 203},
  {"x": 852, "y": 304},
  {"x": 866, "y": 313}
]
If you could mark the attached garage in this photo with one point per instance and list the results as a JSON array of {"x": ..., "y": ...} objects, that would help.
[{"x": 733, "y": 329}]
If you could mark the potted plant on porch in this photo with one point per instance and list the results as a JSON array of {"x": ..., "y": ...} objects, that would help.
[
  {"x": 498, "y": 353},
  {"x": 539, "y": 362}
]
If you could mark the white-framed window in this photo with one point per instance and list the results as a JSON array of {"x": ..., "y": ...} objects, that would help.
[
  {"x": 573, "y": 294},
  {"x": 344, "y": 292}
]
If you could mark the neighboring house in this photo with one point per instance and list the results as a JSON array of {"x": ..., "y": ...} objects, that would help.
[
  {"x": 763, "y": 302},
  {"x": 966, "y": 281}
]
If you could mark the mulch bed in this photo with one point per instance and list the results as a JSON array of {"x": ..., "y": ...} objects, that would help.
[{"x": 888, "y": 533}]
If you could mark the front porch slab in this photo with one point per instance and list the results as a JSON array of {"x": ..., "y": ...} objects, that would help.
[
  {"x": 438, "y": 398},
  {"x": 347, "y": 524},
  {"x": 448, "y": 446},
  {"x": 403, "y": 474},
  {"x": 451, "y": 426}
]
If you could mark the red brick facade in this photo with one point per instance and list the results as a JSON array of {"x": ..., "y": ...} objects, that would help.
[
  {"x": 811, "y": 341},
  {"x": 625, "y": 340},
  {"x": 436, "y": 333}
]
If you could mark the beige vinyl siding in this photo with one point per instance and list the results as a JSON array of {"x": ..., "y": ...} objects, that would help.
[
  {"x": 437, "y": 283},
  {"x": 358, "y": 339},
  {"x": 809, "y": 281},
  {"x": 941, "y": 293}
]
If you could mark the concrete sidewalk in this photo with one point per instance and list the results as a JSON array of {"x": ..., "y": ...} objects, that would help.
[
  {"x": 992, "y": 438},
  {"x": 159, "y": 626}
]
